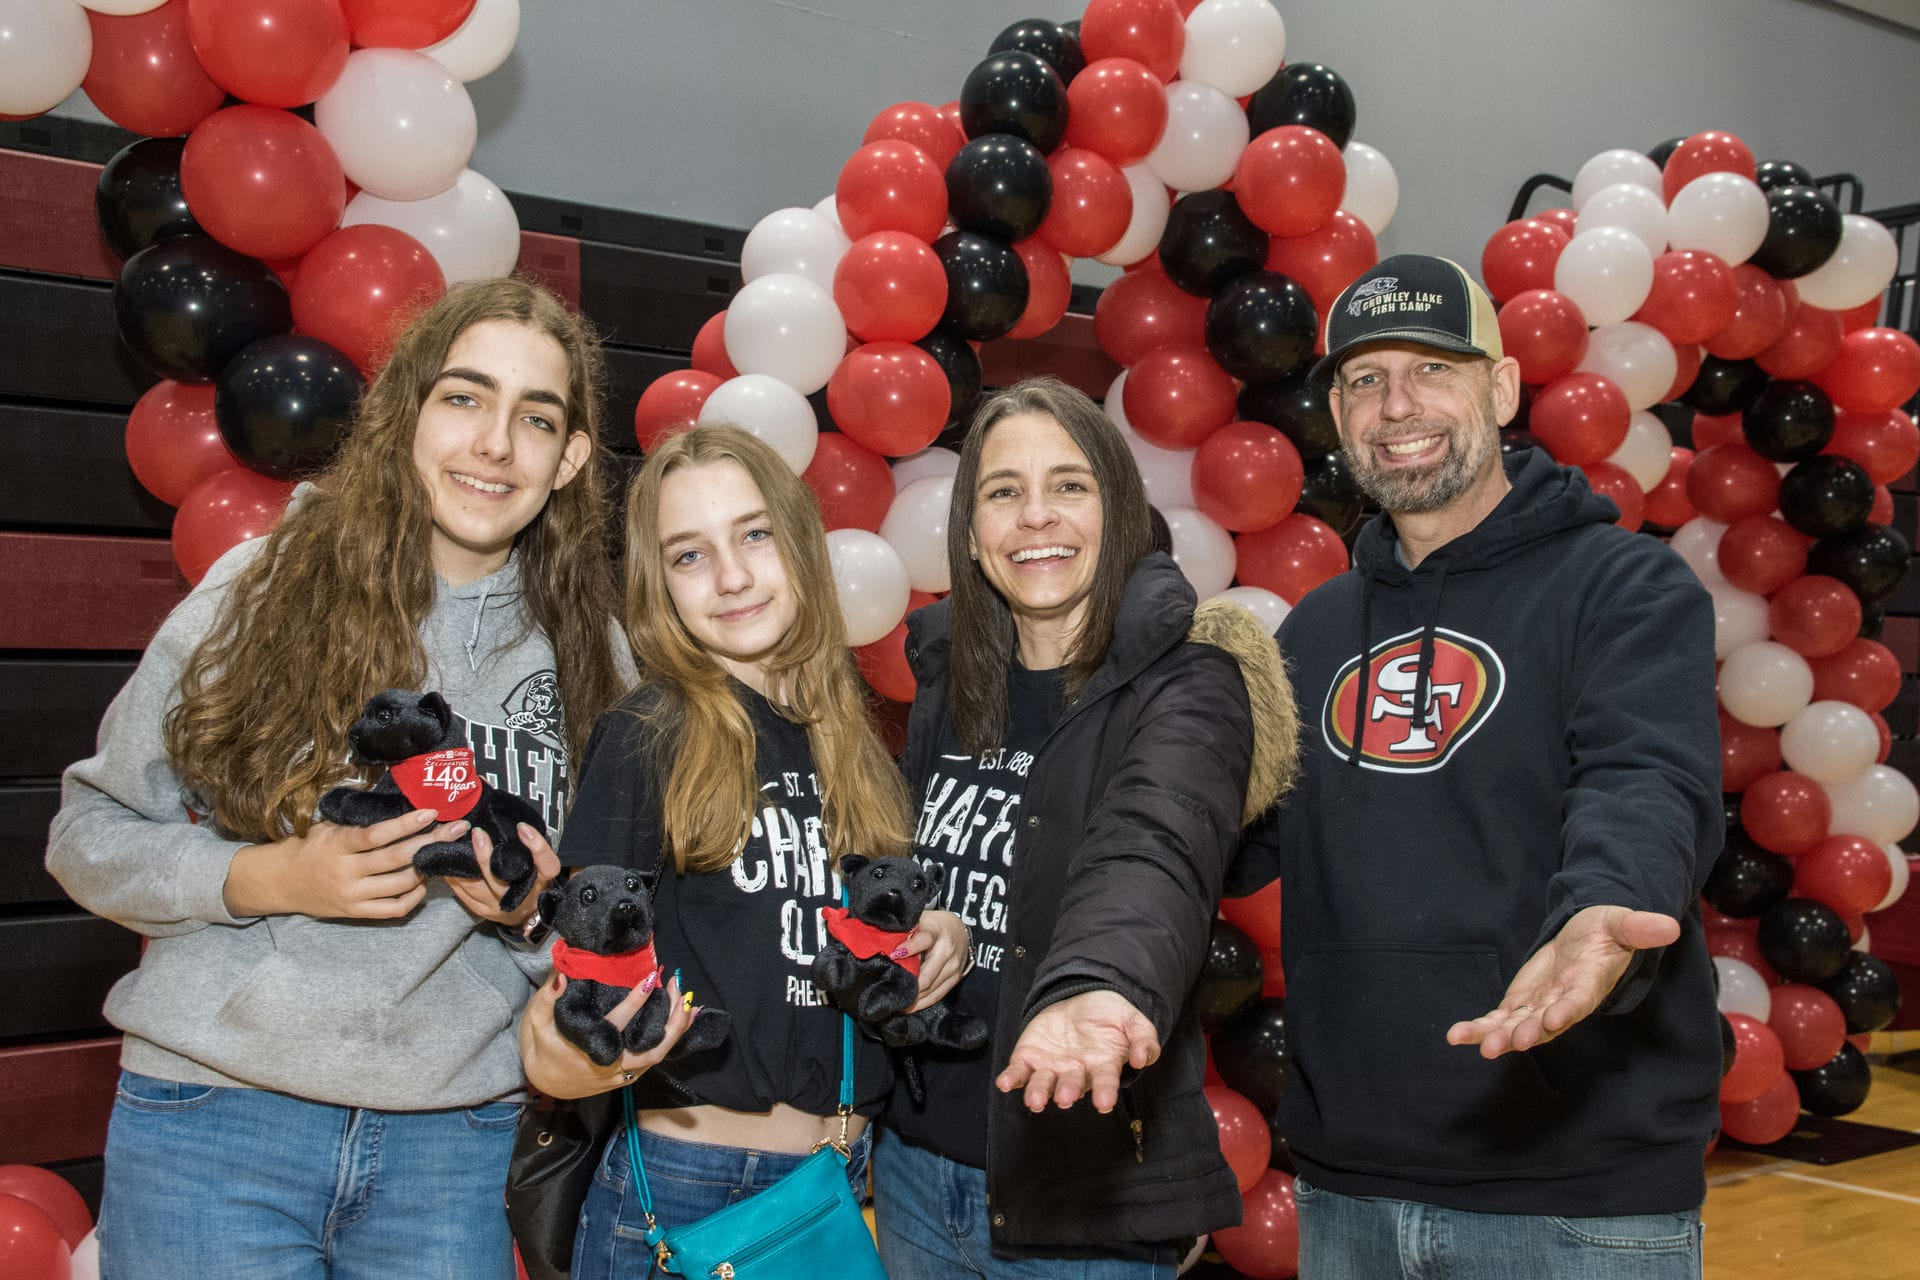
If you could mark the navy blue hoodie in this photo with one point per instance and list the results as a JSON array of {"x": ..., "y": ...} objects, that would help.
[{"x": 1568, "y": 756}]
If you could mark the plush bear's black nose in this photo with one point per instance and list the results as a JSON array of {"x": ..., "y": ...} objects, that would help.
[{"x": 625, "y": 910}]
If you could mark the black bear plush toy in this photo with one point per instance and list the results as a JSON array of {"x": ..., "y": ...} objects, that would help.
[
  {"x": 429, "y": 766},
  {"x": 602, "y": 921},
  {"x": 885, "y": 897}
]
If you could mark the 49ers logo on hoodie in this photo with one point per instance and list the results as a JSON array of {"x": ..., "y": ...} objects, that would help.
[{"x": 1462, "y": 689}]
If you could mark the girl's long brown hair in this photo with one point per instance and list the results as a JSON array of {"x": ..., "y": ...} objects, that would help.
[
  {"x": 701, "y": 728},
  {"x": 328, "y": 613}
]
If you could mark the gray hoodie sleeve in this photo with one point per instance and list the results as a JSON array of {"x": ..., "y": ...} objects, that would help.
[{"x": 122, "y": 845}]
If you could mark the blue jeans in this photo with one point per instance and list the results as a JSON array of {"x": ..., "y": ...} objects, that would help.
[
  {"x": 204, "y": 1181},
  {"x": 930, "y": 1219},
  {"x": 1349, "y": 1238},
  {"x": 689, "y": 1180}
]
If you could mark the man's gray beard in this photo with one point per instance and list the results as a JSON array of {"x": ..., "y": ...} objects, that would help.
[{"x": 1430, "y": 489}]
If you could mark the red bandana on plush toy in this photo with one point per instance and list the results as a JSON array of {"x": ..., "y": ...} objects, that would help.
[
  {"x": 444, "y": 781},
  {"x": 865, "y": 941},
  {"x": 624, "y": 969}
]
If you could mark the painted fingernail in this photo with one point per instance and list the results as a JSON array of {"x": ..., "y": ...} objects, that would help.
[
  {"x": 899, "y": 952},
  {"x": 649, "y": 982}
]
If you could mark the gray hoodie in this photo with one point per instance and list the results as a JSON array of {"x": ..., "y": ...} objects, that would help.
[{"x": 403, "y": 1015}]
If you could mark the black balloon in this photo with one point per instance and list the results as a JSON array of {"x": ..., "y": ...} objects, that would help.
[
  {"x": 1873, "y": 619},
  {"x": 138, "y": 198},
  {"x": 1781, "y": 173},
  {"x": 1803, "y": 230},
  {"x": 1016, "y": 93},
  {"x": 1522, "y": 421},
  {"x": 1804, "y": 940},
  {"x": 958, "y": 360},
  {"x": 1837, "y": 1086},
  {"x": 1297, "y": 408},
  {"x": 998, "y": 185},
  {"x": 1307, "y": 93},
  {"x": 1728, "y": 1045},
  {"x": 1747, "y": 879},
  {"x": 1279, "y": 1154},
  {"x": 1871, "y": 560},
  {"x": 986, "y": 285},
  {"x": 1662, "y": 153},
  {"x": 1826, "y": 497},
  {"x": 188, "y": 305},
  {"x": 1050, "y": 42},
  {"x": 1730, "y": 808},
  {"x": 1230, "y": 976},
  {"x": 1329, "y": 494},
  {"x": 1678, "y": 419},
  {"x": 1724, "y": 386},
  {"x": 1867, "y": 992},
  {"x": 1515, "y": 439},
  {"x": 285, "y": 404},
  {"x": 1250, "y": 1053},
  {"x": 1209, "y": 241},
  {"x": 1788, "y": 421},
  {"x": 1260, "y": 327}
]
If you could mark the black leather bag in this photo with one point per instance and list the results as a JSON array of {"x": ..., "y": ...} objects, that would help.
[{"x": 555, "y": 1153}]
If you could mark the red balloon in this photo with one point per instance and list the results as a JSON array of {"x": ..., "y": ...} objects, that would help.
[
  {"x": 1545, "y": 332},
  {"x": 710, "y": 347},
  {"x": 1767, "y": 1118},
  {"x": 1143, "y": 310},
  {"x": 278, "y": 53},
  {"x": 1693, "y": 296},
  {"x": 1703, "y": 153},
  {"x": 1757, "y": 1061},
  {"x": 1864, "y": 316},
  {"x": 1266, "y": 1244},
  {"x": 1610, "y": 480},
  {"x": 891, "y": 186},
  {"x": 1806, "y": 346},
  {"x": 1328, "y": 259},
  {"x": 1886, "y": 736},
  {"x": 1762, "y": 554},
  {"x": 1273, "y": 977},
  {"x": 1151, "y": 32},
  {"x": 358, "y": 285},
  {"x": 891, "y": 397},
  {"x": 1864, "y": 672},
  {"x": 173, "y": 442},
  {"x": 920, "y": 125},
  {"x": 1290, "y": 180},
  {"x": 1710, "y": 430},
  {"x": 1729, "y": 482},
  {"x": 262, "y": 181},
  {"x": 1741, "y": 942},
  {"x": 1881, "y": 512},
  {"x": 1785, "y": 812},
  {"x": 1886, "y": 444},
  {"x": 1814, "y": 616},
  {"x": 1049, "y": 288},
  {"x": 1748, "y": 753},
  {"x": 1686, "y": 367},
  {"x": 1244, "y": 1139},
  {"x": 1848, "y": 873},
  {"x": 1566, "y": 220},
  {"x": 1521, "y": 256},
  {"x": 403, "y": 24},
  {"x": 31, "y": 1246},
  {"x": 883, "y": 664},
  {"x": 144, "y": 76},
  {"x": 1667, "y": 503},
  {"x": 1291, "y": 558},
  {"x": 1258, "y": 914},
  {"x": 223, "y": 511},
  {"x": 1118, "y": 108},
  {"x": 1246, "y": 476},
  {"x": 54, "y": 1196},
  {"x": 890, "y": 287},
  {"x": 1809, "y": 1024},
  {"x": 1761, "y": 310},
  {"x": 1580, "y": 418},
  {"x": 1875, "y": 371},
  {"x": 1092, "y": 203},
  {"x": 671, "y": 404},
  {"x": 852, "y": 482},
  {"x": 1176, "y": 397}
]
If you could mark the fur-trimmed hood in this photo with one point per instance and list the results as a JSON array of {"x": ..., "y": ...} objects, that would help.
[{"x": 1276, "y": 726}]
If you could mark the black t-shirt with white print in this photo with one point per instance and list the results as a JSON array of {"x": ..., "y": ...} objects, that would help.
[
  {"x": 743, "y": 937},
  {"x": 969, "y": 811}
]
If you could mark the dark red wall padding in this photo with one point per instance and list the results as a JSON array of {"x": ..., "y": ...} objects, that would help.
[
  {"x": 85, "y": 593},
  {"x": 55, "y": 1099}
]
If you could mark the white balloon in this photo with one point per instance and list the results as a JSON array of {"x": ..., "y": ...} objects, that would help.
[
  {"x": 872, "y": 583},
  {"x": 1698, "y": 543},
  {"x": 1260, "y": 602},
  {"x": 86, "y": 1257},
  {"x": 470, "y": 228},
  {"x": 1233, "y": 45},
  {"x": 45, "y": 46},
  {"x": 402, "y": 126},
  {"x": 1638, "y": 358},
  {"x": 1151, "y": 204},
  {"x": 1902, "y": 875},
  {"x": 1206, "y": 132},
  {"x": 1881, "y": 804},
  {"x": 1611, "y": 168},
  {"x": 932, "y": 461},
  {"x": 1607, "y": 271},
  {"x": 1739, "y": 618},
  {"x": 1742, "y": 989},
  {"x": 1628, "y": 205},
  {"x": 121, "y": 8},
  {"x": 1860, "y": 269},
  {"x": 770, "y": 409},
  {"x": 1830, "y": 741},
  {"x": 795, "y": 242},
  {"x": 1203, "y": 550},
  {"x": 481, "y": 43},
  {"x": 1166, "y": 473},
  {"x": 787, "y": 326},
  {"x": 916, "y": 526},
  {"x": 1721, "y": 213},
  {"x": 1864, "y": 943},
  {"x": 1647, "y": 452},
  {"x": 829, "y": 207},
  {"x": 1766, "y": 684},
  {"x": 1373, "y": 188}
]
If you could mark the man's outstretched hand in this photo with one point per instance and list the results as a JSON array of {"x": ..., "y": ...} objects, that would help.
[{"x": 1076, "y": 1048}]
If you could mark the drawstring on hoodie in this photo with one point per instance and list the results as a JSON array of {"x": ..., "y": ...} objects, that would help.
[
  {"x": 473, "y": 641},
  {"x": 1423, "y": 677}
]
